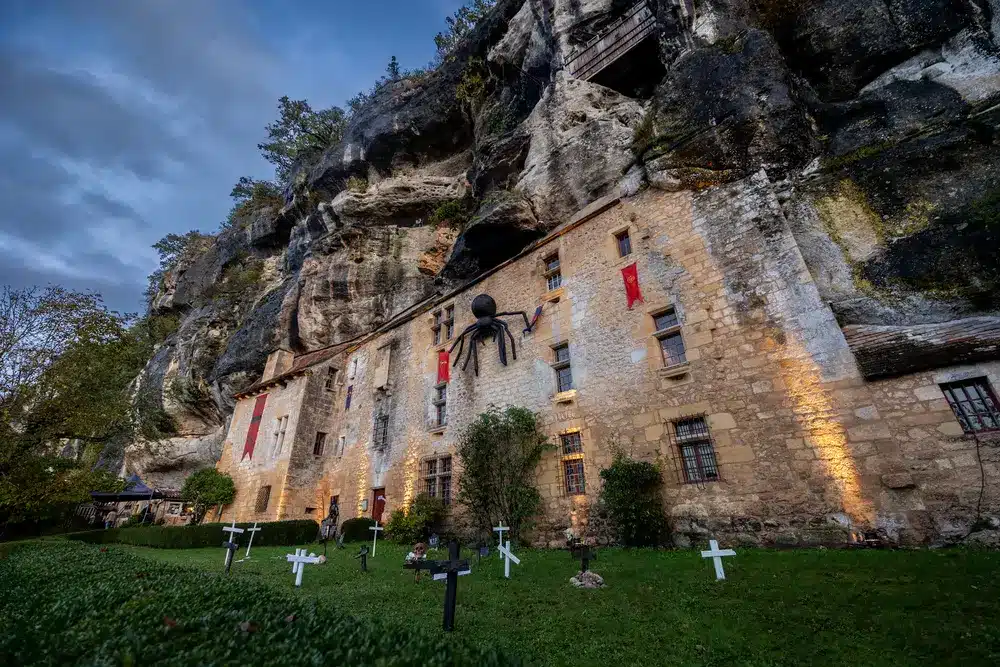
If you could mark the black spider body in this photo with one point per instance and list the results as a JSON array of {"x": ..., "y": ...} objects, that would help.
[{"x": 487, "y": 325}]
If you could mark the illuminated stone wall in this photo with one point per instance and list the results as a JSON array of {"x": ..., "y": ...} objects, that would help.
[{"x": 808, "y": 452}]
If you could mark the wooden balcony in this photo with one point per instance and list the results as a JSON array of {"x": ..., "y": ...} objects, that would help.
[{"x": 621, "y": 37}]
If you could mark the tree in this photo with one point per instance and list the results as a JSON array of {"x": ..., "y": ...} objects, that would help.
[
  {"x": 460, "y": 24},
  {"x": 66, "y": 364},
  {"x": 300, "y": 133},
  {"x": 392, "y": 69},
  {"x": 632, "y": 496},
  {"x": 205, "y": 488},
  {"x": 172, "y": 248},
  {"x": 250, "y": 195},
  {"x": 499, "y": 452}
]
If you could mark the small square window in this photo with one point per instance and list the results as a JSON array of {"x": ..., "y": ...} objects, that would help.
[
  {"x": 436, "y": 328},
  {"x": 573, "y": 473},
  {"x": 571, "y": 443},
  {"x": 331, "y": 379},
  {"x": 263, "y": 497},
  {"x": 553, "y": 273},
  {"x": 319, "y": 444},
  {"x": 696, "y": 450},
  {"x": 624, "y": 243},
  {"x": 564, "y": 374},
  {"x": 437, "y": 478},
  {"x": 974, "y": 404}
]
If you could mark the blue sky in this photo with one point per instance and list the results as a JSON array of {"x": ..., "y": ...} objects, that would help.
[{"x": 124, "y": 120}]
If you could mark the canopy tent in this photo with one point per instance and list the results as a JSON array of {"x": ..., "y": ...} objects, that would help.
[{"x": 135, "y": 489}]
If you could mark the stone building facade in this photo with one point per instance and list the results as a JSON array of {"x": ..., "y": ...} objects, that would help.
[{"x": 732, "y": 372}]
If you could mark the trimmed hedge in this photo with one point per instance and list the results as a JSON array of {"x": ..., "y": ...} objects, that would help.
[
  {"x": 273, "y": 533},
  {"x": 65, "y": 603},
  {"x": 356, "y": 530}
]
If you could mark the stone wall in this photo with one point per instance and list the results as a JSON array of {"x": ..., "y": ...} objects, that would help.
[{"x": 807, "y": 451}]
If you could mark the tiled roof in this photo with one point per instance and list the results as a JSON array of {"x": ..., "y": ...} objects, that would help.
[
  {"x": 300, "y": 364},
  {"x": 886, "y": 351}
]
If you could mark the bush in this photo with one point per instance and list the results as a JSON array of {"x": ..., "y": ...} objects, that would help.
[
  {"x": 418, "y": 523},
  {"x": 357, "y": 184},
  {"x": 273, "y": 533},
  {"x": 70, "y": 604},
  {"x": 631, "y": 497},
  {"x": 356, "y": 530},
  {"x": 205, "y": 488},
  {"x": 454, "y": 212}
]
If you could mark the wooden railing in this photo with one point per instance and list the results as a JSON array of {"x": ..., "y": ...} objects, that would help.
[{"x": 619, "y": 38}]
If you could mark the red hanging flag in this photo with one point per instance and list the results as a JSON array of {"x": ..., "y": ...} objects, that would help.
[
  {"x": 443, "y": 366},
  {"x": 631, "y": 276},
  {"x": 258, "y": 413}
]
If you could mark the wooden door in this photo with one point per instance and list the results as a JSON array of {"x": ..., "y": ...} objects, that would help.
[{"x": 378, "y": 504}]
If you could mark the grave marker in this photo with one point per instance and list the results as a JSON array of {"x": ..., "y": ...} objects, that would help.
[
  {"x": 716, "y": 554},
  {"x": 299, "y": 560},
  {"x": 363, "y": 555},
  {"x": 250, "y": 543},
  {"x": 508, "y": 556},
  {"x": 376, "y": 528},
  {"x": 449, "y": 571},
  {"x": 583, "y": 552},
  {"x": 233, "y": 531},
  {"x": 499, "y": 530},
  {"x": 230, "y": 548}
]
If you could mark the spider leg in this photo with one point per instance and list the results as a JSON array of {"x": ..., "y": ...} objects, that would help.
[
  {"x": 527, "y": 324},
  {"x": 513, "y": 345},
  {"x": 473, "y": 338},
  {"x": 501, "y": 343},
  {"x": 475, "y": 360},
  {"x": 461, "y": 342}
]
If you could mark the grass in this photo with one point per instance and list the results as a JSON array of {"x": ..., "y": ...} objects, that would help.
[{"x": 805, "y": 607}]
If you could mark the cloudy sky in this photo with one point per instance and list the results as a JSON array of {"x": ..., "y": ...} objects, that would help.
[{"x": 124, "y": 120}]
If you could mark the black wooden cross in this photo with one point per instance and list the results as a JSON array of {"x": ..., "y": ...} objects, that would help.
[
  {"x": 363, "y": 555},
  {"x": 232, "y": 547},
  {"x": 583, "y": 552},
  {"x": 449, "y": 570}
]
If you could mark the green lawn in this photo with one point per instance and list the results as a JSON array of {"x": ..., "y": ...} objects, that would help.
[{"x": 823, "y": 607}]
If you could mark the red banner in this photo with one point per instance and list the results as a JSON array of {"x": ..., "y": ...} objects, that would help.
[
  {"x": 631, "y": 276},
  {"x": 443, "y": 366},
  {"x": 258, "y": 413}
]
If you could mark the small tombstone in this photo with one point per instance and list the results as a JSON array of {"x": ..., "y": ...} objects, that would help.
[
  {"x": 482, "y": 552},
  {"x": 508, "y": 556},
  {"x": 716, "y": 554},
  {"x": 299, "y": 560},
  {"x": 375, "y": 531},
  {"x": 434, "y": 541},
  {"x": 585, "y": 578},
  {"x": 363, "y": 555},
  {"x": 449, "y": 571}
]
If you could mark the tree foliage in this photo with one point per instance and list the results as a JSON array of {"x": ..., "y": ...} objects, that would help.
[
  {"x": 460, "y": 24},
  {"x": 251, "y": 195},
  {"x": 172, "y": 249},
  {"x": 417, "y": 522},
  {"x": 632, "y": 497},
  {"x": 300, "y": 133},
  {"x": 205, "y": 488},
  {"x": 499, "y": 452}
]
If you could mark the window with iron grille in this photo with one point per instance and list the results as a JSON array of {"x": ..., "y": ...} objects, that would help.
[
  {"x": 697, "y": 451},
  {"x": 564, "y": 374},
  {"x": 624, "y": 243},
  {"x": 444, "y": 324},
  {"x": 974, "y": 404},
  {"x": 553, "y": 274},
  {"x": 571, "y": 443},
  {"x": 263, "y": 496},
  {"x": 573, "y": 474},
  {"x": 331, "y": 379},
  {"x": 440, "y": 405},
  {"x": 381, "y": 439},
  {"x": 319, "y": 444},
  {"x": 437, "y": 478},
  {"x": 668, "y": 333}
]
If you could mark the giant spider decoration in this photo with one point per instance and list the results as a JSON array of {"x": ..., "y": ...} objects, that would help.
[{"x": 487, "y": 325}]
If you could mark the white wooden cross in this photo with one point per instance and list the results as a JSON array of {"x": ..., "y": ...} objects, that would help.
[
  {"x": 375, "y": 528},
  {"x": 299, "y": 560},
  {"x": 251, "y": 531},
  {"x": 233, "y": 530},
  {"x": 716, "y": 554},
  {"x": 508, "y": 556},
  {"x": 499, "y": 530}
]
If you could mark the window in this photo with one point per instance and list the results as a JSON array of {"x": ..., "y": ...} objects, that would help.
[
  {"x": 347, "y": 401},
  {"x": 263, "y": 496},
  {"x": 353, "y": 372},
  {"x": 310, "y": 510},
  {"x": 278, "y": 437},
  {"x": 436, "y": 328},
  {"x": 573, "y": 472},
  {"x": 668, "y": 332},
  {"x": 341, "y": 443},
  {"x": 440, "y": 405},
  {"x": 449, "y": 322},
  {"x": 174, "y": 509},
  {"x": 624, "y": 243},
  {"x": 974, "y": 404},
  {"x": 553, "y": 275},
  {"x": 381, "y": 439},
  {"x": 564, "y": 376},
  {"x": 444, "y": 324},
  {"x": 331, "y": 379},
  {"x": 571, "y": 443},
  {"x": 696, "y": 450},
  {"x": 437, "y": 478},
  {"x": 319, "y": 444}
]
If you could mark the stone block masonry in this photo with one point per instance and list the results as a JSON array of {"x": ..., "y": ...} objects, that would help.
[{"x": 765, "y": 430}]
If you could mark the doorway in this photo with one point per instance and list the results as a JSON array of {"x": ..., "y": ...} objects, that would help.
[{"x": 378, "y": 503}]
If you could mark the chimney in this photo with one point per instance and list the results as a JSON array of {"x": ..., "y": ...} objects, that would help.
[{"x": 278, "y": 362}]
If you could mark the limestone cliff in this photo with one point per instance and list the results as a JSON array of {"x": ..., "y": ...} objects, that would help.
[{"x": 875, "y": 121}]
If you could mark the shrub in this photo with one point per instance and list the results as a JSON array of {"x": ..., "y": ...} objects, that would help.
[
  {"x": 357, "y": 184},
  {"x": 71, "y": 604},
  {"x": 356, "y": 530},
  {"x": 631, "y": 497},
  {"x": 499, "y": 452},
  {"x": 273, "y": 533},
  {"x": 423, "y": 517},
  {"x": 205, "y": 488},
  {"x": 454, "y": 212}
]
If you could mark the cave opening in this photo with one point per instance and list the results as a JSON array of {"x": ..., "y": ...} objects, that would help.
[{"x": 635, "y": 74}]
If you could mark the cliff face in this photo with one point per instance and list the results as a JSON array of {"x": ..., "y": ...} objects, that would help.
[{"x": 875, "y": 120}]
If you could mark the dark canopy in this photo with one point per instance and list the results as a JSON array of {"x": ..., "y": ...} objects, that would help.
[{"x": 135, "y": 489}]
